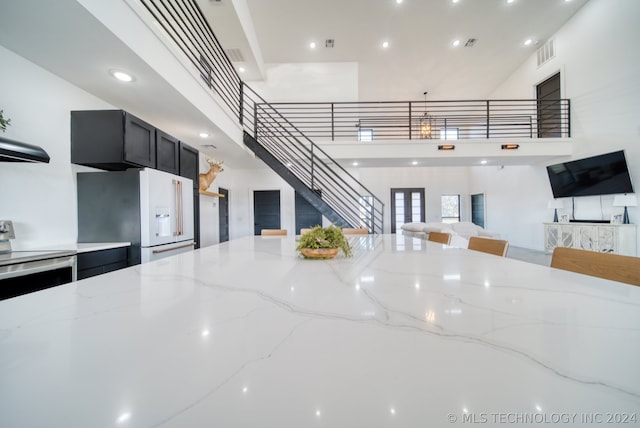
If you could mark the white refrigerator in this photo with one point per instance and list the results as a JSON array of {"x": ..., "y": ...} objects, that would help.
[
  {"x": 166, "y": 214},
  {"x": 151, "y": 209}
]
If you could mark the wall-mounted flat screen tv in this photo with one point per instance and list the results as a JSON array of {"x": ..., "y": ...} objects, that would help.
[{"x": 598, "y": 175}]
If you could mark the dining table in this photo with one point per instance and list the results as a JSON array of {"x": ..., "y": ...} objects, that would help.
[{"x": 248, "y": 333}]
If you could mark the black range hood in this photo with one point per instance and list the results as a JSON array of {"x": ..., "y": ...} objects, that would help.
[{"x": 15, "y": 151}]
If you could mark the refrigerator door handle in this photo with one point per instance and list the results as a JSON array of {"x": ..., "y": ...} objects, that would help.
[
  {"x": 191, "y": 244},
  {"x": 181, "y": 228},
  {"x": 176, "y": 231}
]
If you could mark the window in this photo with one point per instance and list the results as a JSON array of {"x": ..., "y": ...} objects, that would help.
[
  {"x": 365, "y": 134},
  {"x": 450, "y": 208},
  {"x": 449, "y": 133}
]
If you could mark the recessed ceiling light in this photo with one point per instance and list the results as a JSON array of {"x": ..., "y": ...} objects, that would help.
[
  {"x": 204, "y": 135},
  {"x": 483, "y": 162},
  {"x": 241, "y": 69},
  {"x": 312, "y": 45},
  {"x": 355, "y": 164},
  {"x": 121, "y": 75},
  {"x": 456, "y": 43},
  {"x": 414, "y": 163},
  {"x": 455, "y": 1},
  {"x": 398, "y": 1},
  {"x": 528, "y": 42},
  {"x": 510, "y": 1},
  {"x": 385, "y": 44}
]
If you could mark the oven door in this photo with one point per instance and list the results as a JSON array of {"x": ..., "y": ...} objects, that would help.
[{"x": 22, "y": 278}]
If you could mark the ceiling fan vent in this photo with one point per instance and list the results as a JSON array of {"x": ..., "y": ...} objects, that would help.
[
  {"x": 235, "y": 55},
  {"x": 470, "y": 43},
  {"x": 546, "y": 52}
]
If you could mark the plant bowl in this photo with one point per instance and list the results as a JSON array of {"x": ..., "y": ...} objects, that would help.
[{"x": 319, "y": 253}]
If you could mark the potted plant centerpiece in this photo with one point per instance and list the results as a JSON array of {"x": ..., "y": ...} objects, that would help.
[{"x": 323, "y": 243}]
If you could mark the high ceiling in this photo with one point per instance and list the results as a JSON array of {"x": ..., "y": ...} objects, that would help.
[
  {"x": 65, "y": 39},
  {"x": 420, "y": 56}
]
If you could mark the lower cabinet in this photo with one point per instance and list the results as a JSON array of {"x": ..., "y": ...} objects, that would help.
[
  {"x": 600, "y": 237},
  {"x": 98, "y": 262}
]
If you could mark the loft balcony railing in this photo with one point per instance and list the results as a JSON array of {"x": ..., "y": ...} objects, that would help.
[{"x": 416, "y": 120}]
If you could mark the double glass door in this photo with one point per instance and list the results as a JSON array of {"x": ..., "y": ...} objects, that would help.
[{"x": 407, "y": 206}]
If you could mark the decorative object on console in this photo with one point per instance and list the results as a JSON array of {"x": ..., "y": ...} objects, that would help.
[
  {"x": 323, "y": 243},
  {"x": 6, "y": 233},
  {"x": 4, "y": 122},
  {"x": 555, "y": 204},
  {"x": 626, "y": 200},
  {"x": 205, "y": 180}
]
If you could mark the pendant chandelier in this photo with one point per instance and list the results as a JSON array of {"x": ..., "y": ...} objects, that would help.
[{"x": 426, "y": 122}]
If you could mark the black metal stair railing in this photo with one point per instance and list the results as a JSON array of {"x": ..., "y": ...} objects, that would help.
[{"x": 185, "y": 26}]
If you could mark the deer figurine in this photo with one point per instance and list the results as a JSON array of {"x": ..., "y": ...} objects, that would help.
[{"x": 205, "y": 180}]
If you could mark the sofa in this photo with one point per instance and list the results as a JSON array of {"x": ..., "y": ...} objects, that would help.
[{"x": 460, "y": 231}]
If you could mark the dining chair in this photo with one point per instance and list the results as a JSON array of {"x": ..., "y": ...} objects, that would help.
[
  {"x": 273, "y": 232},
  {"x": 497, "y": 247},
  {"x": 351, "y": 231},
  {"x": 440, "y": 237},
  {"x": 602, "y": 265}
]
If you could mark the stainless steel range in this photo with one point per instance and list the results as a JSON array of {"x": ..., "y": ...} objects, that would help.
[{"x": 23, "y": 272}]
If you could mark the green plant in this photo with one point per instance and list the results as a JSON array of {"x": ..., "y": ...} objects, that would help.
[
  {"x": 4, "y": 122},
  {"x": 325, "y": 237}
]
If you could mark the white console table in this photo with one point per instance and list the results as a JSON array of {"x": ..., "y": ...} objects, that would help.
[{"x": 601, "y": 237}]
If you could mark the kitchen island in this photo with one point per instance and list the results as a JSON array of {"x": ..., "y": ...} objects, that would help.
[{"x": 406, "y": 333}]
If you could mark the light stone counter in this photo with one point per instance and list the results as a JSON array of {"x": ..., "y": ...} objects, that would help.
[{"x": 407, "y": 333}]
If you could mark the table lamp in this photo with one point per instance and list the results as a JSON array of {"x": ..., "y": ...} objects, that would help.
[
  {"x": 555, "y": 204},
  {"x": 626, "y": 200}
]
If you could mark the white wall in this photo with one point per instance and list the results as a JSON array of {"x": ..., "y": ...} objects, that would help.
[
  {"x": 309, "y": 82},
  {"x": 241, "y": 183},
  {"x": 40, "y": 199},
  {"x": 436, "y": 181},
  {"x": 599, "y": 62}
]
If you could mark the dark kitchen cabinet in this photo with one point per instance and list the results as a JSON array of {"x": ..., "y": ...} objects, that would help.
[
  {"x": 113, "y": 140},
  {"x": 189, "y": 168},
  {"x": 189, "y": 163},
  {"x": 167, "y": 153},
  {"x": 98, "y": 262}
]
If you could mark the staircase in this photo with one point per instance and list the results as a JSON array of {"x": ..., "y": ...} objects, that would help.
[{"x": 327, "y": 186}]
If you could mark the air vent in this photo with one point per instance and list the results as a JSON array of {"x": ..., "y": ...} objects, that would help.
[
  {"x": 215, "y": 1},
  {"x": 546, "y": 52},
  {"x": 470, "y": 43},
  {"x": 235, "y": 55},
  {"x": 208, "y": 146},
  {"x": 329, "y": 43}
]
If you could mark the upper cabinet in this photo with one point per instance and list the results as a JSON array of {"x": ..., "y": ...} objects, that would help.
[
  {"x": 189, "y": 164},
  {"x": 112, "y": 139},
  {"x": 167, "y": 153}
]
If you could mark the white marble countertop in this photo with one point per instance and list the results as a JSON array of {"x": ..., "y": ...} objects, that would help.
[
  {"x": 407, "y": 333},
  {"x": 78, "y": 247}
]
